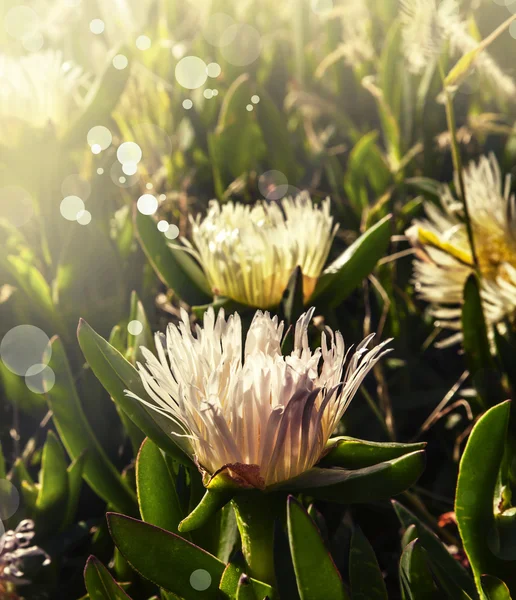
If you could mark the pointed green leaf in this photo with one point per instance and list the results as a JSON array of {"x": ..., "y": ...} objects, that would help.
[
  {"x": 478, "y": 473},
  {"x": 157, "y": 495},
  {"x": 351, "y": 453},
  {"x": 355, "y": 264},
  {"x": 364, "y": 573},
  {"x": 144, "y": 338},
  {"x": 175, "y": 267},
  {"x": 245, "y": 590},
  {"x": 75, "y": 472},
  {"x": 166, "y": 559},
  {"x": 100, "y": 585},
  {"x": 77, "y": 436},
  {"x": 494, "y": 588},
  {"x": 317, "y": 576},
  {"x": 117, "y": 375},
  {"x": 415, "y": 574}
]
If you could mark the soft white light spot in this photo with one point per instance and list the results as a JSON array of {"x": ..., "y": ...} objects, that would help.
[
  {"x": 245, "y": 45},
  {"x": 200, "y": 580},
  {"x": 249, "y": 107},
  {"x": 97, "y": 26},
  {"x": 129, "y": 152},
  {"x": 143, "y": 42},
  {"x": 100, "y": 171},
  {"x": 191, "y": 73},
  {"x": 273, "y": 185},
  {"x": 33, "y": 42},
  {"x": 84, "y": 217},
  {"x": 178, "y": 51},
  {"x": 122, "y": 179},
  {"x": 20, "y": 22},
  {"x": 216, "y": 27},
  {"x": 120, "y": 62},
  {"x": 213, "y": 69},
  {"x": 215, "y": 92},
  {"x": 172, "y": 232},
  {"x": 23, "y": 347},
  {"x": 320, "y": 7},
  {"x": 99, "y": 136},
  {"x": 255, "y": 99},
  {"x": 16, "y": 205},
  {"x": 163, "y": 226},
  {"x": 96, "y": 148},
  {"x": 162, "y": 197},
  {"x": 70, "y": 207},
  {"x": 129, "y": 168},
  {"x": 134, "y": 327},
  {"x": 187, "y": 104},
  {"x": 149, "y": 186},
  {"x": 9, "y": 501},
  {"x": 40, "y": 379},
  {"x": 208, "y": 94},
  {"x": 147, "y": 204}
]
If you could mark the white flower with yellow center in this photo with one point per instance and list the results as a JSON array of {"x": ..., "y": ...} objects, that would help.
[
  {"x": 40, "y": 89},
  {"x": 249, "y": 253},
  {"x": 445, "y": 257},
  {"x": 244, "y": 409}
]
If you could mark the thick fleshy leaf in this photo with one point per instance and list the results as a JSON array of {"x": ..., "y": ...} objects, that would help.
[
  {"x": 364, "y": 573},
  {"x": 494, "y": 588},
  {"x": 478, "y": 474},
  {"x": 166, "y": 559},
  {"x": 75, "y": 472},
  {"x": 351, "y": 453},
  {"x": 448, "y": 570},
  {"x": 78, "y": 437},
  {"x": 100, "y": 585},
  {"x": 245, "y": 589},
  {"x": 349, "y": 270},
  {"x": 157, "y": 495},
  {"x": 212, "y": 502},
  {"x": 53, "y": 491},
  {"x": 17, "y": 392},
  {"x": 316, "y": 574},
  {"x": 117, "y": 375},
  {"x": 144, "y": 338},
  {"x": 378, "y": 482},
  {"x": 231, "y": 582},
  {"x": 415, "y": 574},
  {"x": 481, "y": 364},
  {"x": 175, "y": 267}
]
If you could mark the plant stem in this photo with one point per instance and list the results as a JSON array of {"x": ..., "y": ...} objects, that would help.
[{"x": 256, "y": 513}]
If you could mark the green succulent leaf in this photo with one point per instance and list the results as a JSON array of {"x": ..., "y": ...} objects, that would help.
[
  {"x": 166, "y": 559},
  {"x": 175, "y": 267},
  {"x": 348, "y": 271},
  {"x": 156, "y": 488},
  {"x": 212, "y": 502},
  {"x": 494, "y": 588},
  {"x": 415, "y": 574},
  {"x": 100, "y": 584},
  {"x": 117, "y": 375},
  {"x": 364, "y": 573},
  {"x": 478, "y": 474},
  {"x": 144, "y": 338},
  {"x": 75, "y": 473},
  {"x": 316, "y": 574},
  {"x": 77, "y": 436},
  {"x": 350, "y": 453}
]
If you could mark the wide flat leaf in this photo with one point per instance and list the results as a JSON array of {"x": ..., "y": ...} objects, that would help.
[
  {"x": 166, "y": 559},
  {"x": 77, "y": 436},
  {"x": 364, "y": 573},
  {"x": 378, "y": 482},
  {"x": 53, "y": 491},
  {"x": 100, "y": 585},
  {"x": 316, "y": 574},
  {"x": 117, "y": 375},
  {"x": 157, "y": 495},
  {"x": 175, "y": 267},
  {"x": 348, "y": 271},
  {"x": 351, "y": 453},
  {"x": 478, "y": 473}
]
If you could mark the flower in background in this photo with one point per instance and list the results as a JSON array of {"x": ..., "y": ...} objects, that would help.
[
  {"x": 248, "y": 254},
  {"x": 445, "y": 258},
  {"x": 246, "y": 410},
  {"x": 40, "y": 89},
  {"x": 14, "y": 549},
  {"x": 428, "y": 24}
]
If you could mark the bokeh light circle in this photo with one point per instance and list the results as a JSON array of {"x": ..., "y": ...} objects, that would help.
[
  {"x": 147, "y": 204},
  {"x": 16, "y": 205},
  {"x": 134, "y": 327},
  {"x": 172, "y": 232},
  {"x": 213, "y": 70},
  {"x": 97, "y": 26},
  {"x": 187, "y": 104},
  {"x": 143, "y": 42},
  {"x": 273, "y": 185},
  {"x": 245, "y": 45},
  {"x": 84, "y": 217},
  {"x": 24, "y": 346},
  {"x": 70, "y": 207},
  {"x": 33, "y": 42},
  {"x": 40, "y": 379},
  {"x": 200, "y": 580},
  {"x": 130, "y": 168},
  {"x": 9, "y": 499},
  {"x": 321, "y": 7},
  {"x": 101, "y": 136},
  {"x": 163, "y": 226},
  {"x": 120, "y": 62},
  {"x": 129, "y": 152},
  {"x": 21, "y": 22},
  {"x": 191, "y": 73},
  {"x": 119, "y": 178},
  {"x": 216, "y": 27}
]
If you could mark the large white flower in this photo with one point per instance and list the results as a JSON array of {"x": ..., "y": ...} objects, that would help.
[
  {"x": 39, "y": 89},
  {"x": 445, "y": 258},
  {"x": 249, "y": 253},
  {"x": 246, "y": 409}
]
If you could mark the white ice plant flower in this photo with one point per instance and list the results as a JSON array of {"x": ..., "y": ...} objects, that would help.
[
  {"x": 444, "y": 254},
  {"x": 249, "y": 253},
  {"x": 40, "y": 89},
  {"x": 241, "y": 408},
  {"x": 427, "y": 25},
  {"x": 15, "y": 547}
]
